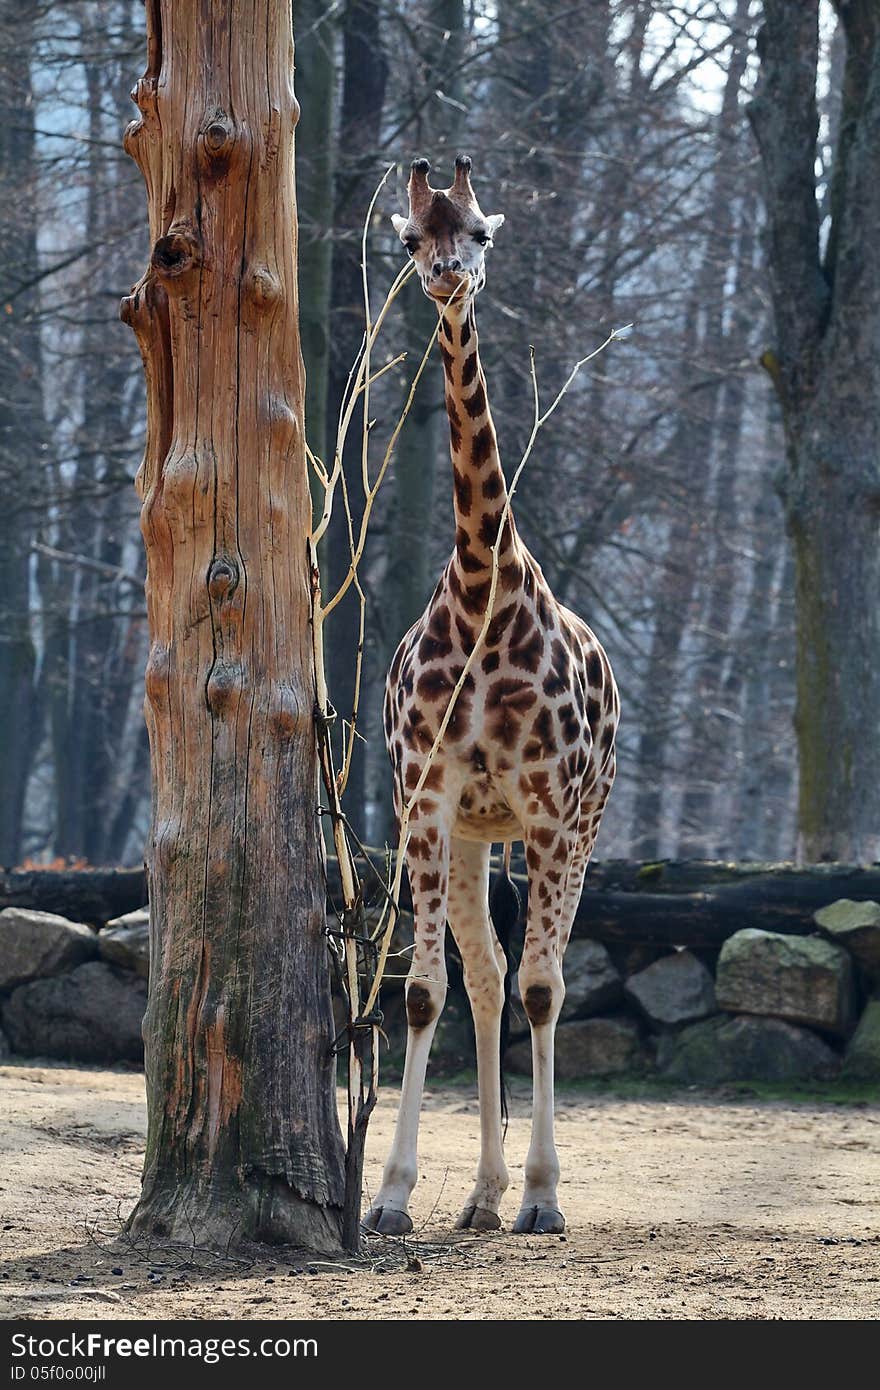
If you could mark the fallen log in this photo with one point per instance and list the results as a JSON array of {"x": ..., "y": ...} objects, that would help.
[
  {"x": 675, "y": 902},
  {"x": 697, "y": 903},
  {"x": 94, "y": 896}
]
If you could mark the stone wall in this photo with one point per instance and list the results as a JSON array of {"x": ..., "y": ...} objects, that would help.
[{"x": 766, "y": 1007}]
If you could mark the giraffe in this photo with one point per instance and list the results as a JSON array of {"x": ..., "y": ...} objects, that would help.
[{"x": 528, "y": 754}]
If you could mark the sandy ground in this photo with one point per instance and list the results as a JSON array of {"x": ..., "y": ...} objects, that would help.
[{"x": 680, "y": 1206}]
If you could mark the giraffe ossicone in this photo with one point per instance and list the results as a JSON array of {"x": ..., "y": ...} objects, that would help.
[{"x": 528, "y": 754}]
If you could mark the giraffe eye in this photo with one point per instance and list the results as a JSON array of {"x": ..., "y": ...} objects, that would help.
[
  {"x": 412, "y": 245},
  {"x": 483, "y": 238}
]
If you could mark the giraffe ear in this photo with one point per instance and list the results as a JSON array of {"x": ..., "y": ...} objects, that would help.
[
  {"x": 494, "y": 221},
  {"x": 399, "y": 223}
]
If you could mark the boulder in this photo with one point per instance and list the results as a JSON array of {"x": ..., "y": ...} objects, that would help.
[
  {"x": 628, "y": 958},
  {"x": 587, "y": 1047},
  {"x": 743, "y": 1049},
  {"x": 91, "y": 1014},
  {"x": 591, "y": 981},
  {"x": 855, "y": 925},
  {"x": 676, "y": 989},
  {"x": 126, "y": 941},
  {"x": 803, "y": 979},
  {"x": 36, "y": 944},
  {"x": 862, "y": 1060}
]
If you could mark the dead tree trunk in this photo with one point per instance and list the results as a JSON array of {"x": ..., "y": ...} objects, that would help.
[{"x": 243, "y": 1139}]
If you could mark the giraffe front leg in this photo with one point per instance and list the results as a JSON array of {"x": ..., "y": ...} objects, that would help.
[
  {"x": 548, "y": 856},
  {"x": 484, "y": 970},
  {"x": 428, "y": 870}
]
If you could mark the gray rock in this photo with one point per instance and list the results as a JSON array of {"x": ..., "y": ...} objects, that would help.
[
  {"x": 744, "y": 1049},
  {"x": 862, "y": 1060},
  {"x": 591, "y": 981},
  {"x": 803, "y": 979},
  {"x": 92, "y": 1014},
  {"x": 855, "y": 925},
  {"x": 676, "y": 989},
  {"x": 37, "y": 944},
  {"x": 5, "y": 1049},
  {"x": 630, "y": 959},
  {"x": 126, "y": 941},
  {"x": 588, "y": 1047}
]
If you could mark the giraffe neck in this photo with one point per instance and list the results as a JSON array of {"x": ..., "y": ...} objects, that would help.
[{"x": 479, "y": 490}]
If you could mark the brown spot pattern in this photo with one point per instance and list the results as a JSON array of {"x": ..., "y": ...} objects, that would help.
[
  {"x": 464, "y": 493},
  {"x": 482, "y": 446},
  {"x": 475, "y": 405}
]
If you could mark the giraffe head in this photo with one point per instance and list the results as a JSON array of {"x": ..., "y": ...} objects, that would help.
[{"x": 446, "y": 234}]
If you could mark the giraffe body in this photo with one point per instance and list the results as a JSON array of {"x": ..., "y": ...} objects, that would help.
[{"x": 528, "y": 754}]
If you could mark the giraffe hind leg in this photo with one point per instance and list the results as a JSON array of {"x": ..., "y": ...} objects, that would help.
[{"x": 553, "y": 896}]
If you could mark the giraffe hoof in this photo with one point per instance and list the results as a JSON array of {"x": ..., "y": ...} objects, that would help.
[
  {"x": 539, "y": 1221},
  {"x": 385, "y": 1221},
  {"x": 478, "y": 1219}
]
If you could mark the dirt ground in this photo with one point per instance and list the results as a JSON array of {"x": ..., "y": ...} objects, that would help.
[{"x": 678, "y": 1206}]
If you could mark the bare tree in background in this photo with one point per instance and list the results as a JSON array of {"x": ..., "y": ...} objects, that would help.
[
  {"x": 21, "y": 416},
  {"x": 613, "y": 135},
  {"x": 825, "y": 280}
]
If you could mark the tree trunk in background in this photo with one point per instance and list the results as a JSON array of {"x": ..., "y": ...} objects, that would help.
[
  {"x": 731, "y": 249},
  {"x": 243, "y": 1139},
  {"x": 826, "y": 370},
  {"x": 758, "y": 649},
  {"x": 315, "y": 35},
  {"x": 21, "y": 414},
  {"x": 422, "y": 449},
  {"x": 91, "y": 659},
  {"x": 423, "y": 439},
  {"x": 365, "y": 72},
  {"x": 93, "y": 624}
]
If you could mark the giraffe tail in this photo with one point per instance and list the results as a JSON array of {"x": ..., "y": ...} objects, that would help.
[{"x": 505, "y": 905}]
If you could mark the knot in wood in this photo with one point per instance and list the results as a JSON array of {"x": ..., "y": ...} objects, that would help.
[
  {"x": 157, "y": 674},
  {"x": 143, "y": 94},
  {"x": 130, "y": 136},
  {"x": 264, "y": 286},
  {"x": 286, "y": 715},
  {"x": 179, "y": 476},
  {"x": 282, "y": 420},
  {"x": 168, "y": 843},
  {"x": 225, "y": 682},
  {"x": 177, "y": 252},
  {"x": 128, "y": 308},
  {"x": 222, "y": 578},
  {"x": 219, "y": 136}
]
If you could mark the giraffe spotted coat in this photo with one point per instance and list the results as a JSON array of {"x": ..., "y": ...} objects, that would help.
[{"x": 528, "y": 754}]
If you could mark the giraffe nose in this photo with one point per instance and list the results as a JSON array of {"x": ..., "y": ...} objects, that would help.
[{"x": 439, "y": 268}]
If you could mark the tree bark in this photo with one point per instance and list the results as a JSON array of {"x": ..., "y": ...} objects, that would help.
[
  {"x": 826, "y": 373},
  {"x": 243, "y": 1139}
]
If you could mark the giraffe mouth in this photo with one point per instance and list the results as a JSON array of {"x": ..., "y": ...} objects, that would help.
[{"x": 451, "y": 286}]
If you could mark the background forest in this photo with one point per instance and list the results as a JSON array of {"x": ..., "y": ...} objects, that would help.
[{"x": 613, "y": 135}]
